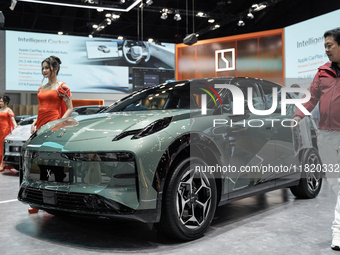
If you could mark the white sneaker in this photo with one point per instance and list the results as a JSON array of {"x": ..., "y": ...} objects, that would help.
[{"x": 336, "y": 242}]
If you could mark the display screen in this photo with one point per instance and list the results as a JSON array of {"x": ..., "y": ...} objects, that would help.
[
  {"x": 88, "y": 64},
  {"x": 101, "y": 49},
  {"x": 304, "y": 47},
  {"x": 144, "y": 77}
]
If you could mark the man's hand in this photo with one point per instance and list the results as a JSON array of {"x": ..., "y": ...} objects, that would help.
[{"x": 292, "y": 123}]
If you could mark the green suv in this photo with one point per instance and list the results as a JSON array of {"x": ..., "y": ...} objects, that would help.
[{"x": 170, "y": 154}]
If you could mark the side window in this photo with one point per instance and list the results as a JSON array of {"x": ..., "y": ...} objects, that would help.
[
  {"x": 267, "y": 89},
  {"x": 257, "y": 100}
]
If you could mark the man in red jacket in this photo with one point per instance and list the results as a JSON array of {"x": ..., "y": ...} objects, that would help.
[{"x": 325, "y": 89}]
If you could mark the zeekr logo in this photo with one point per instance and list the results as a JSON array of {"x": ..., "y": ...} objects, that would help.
[{"x": 225, "y": 60}]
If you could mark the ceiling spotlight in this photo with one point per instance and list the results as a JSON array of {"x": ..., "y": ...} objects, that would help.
[
  {"x": 60, "y": 33},
  {"x": 108, "y": 21},
  {"x": 177, "y": 17},
  {"x": 201, "y": 15},
  {"x": 250, "y": 15},
  {"x": 149, "y": 2},
  {"x": 90, "y": 36},
  {"x": 108, "y": 15},
  {"x": 240, "y": 23},
  {"x": 94, "y": 26},
  {"x": 150, "y": 40},
  {"x": 122, "y": 1},
  {"x": 215, "y": 27},
  {"x": 258, "y": 7},
  {"x": 164, "y": 16},
  {"x": 120, "y": 38},
  {"x": 211, "y": 20},
  {"x": 100, "y": 9},
  {"x": 115, "y": 16}
]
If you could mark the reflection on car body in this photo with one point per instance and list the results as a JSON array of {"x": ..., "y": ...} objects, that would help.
[
  {"x": 15, "y": 140},
  {"x": 137, "y": 162}
]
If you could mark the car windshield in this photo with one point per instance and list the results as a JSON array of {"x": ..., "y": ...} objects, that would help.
[
  {"x": 162, "y": 97},
  {"x": 27, "y": 121}
]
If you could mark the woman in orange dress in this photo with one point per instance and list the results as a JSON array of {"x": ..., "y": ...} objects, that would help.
[
  {"x": 7, "y": 124},
  {"x": 54, "y": 98}
]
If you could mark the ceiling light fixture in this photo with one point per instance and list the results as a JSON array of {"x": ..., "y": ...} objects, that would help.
[
  {"x": 149, "y": 2},
  {"x": 150, "y": 40},
  {"x": 120, "y": 38},
  {"x": 109, "y": 8},
  {"x": 164, "y": 16},
  {"x": 177, "y": 17},
  {"x": 100, "y": 9},
  {"x": 90, "y": 36},
  {"x": 211, "y": 20},
  {"x": 250, "y": 15},
  {"x": 115, "y": 16},
  {"x": 60, "y": 33},
  {"x": 216, "y": 27},
  {"x": 200, "y": 14},
  {"x": 258, "y": 7},
  {"x": 94, "y": 26},
  {"x": 240, "y": 23}
]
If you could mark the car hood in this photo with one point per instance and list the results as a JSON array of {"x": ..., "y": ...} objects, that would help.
[
  {"x": 104, "y": 125},
  {"x": 21, "y": 133}
]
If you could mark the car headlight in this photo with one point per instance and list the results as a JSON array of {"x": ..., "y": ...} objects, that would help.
[
  {"x": 99, "y": 156},
  {"x": 154, "y": 127},
  {"x": 8, "y": 141}
]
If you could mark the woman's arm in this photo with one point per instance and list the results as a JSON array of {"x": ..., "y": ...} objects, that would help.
[
  {"x": 69, "y": 107},
  {"x": 14, "y": 122},
  {"x": 33, "y": 126},
  {"x": 65, "y": 93}
]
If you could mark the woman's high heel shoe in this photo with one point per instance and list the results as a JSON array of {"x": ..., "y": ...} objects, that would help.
[{"x": 32, "y": 210}]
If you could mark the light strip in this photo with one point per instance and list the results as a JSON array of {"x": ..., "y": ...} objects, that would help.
[{"x": 84, "y": 6}]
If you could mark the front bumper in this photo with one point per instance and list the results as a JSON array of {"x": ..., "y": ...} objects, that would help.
[
  {"x": 12, "y": 151},
  {"x": 84, "y": 204}
]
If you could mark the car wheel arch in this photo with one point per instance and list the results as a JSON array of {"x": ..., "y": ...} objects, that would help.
[{"x": 178, "y": 151}]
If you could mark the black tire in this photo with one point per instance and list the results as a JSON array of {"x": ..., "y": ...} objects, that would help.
[
  {"x": 311, "y": 177},
  {"x": 189, "y": 201}
]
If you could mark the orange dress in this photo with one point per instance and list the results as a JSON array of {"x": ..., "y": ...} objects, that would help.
[
  {"x": 51, "y": 104},
  {"x": 6, "y": 126}
]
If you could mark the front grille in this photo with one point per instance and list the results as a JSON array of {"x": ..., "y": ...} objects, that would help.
[
  {"x": 11, "y": 159},
  {"x": 73, "y": 201},
  {"x": 14, "y": 148}
]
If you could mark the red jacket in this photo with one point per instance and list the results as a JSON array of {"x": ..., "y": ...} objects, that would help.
[{"x": 326, "y": 88}]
